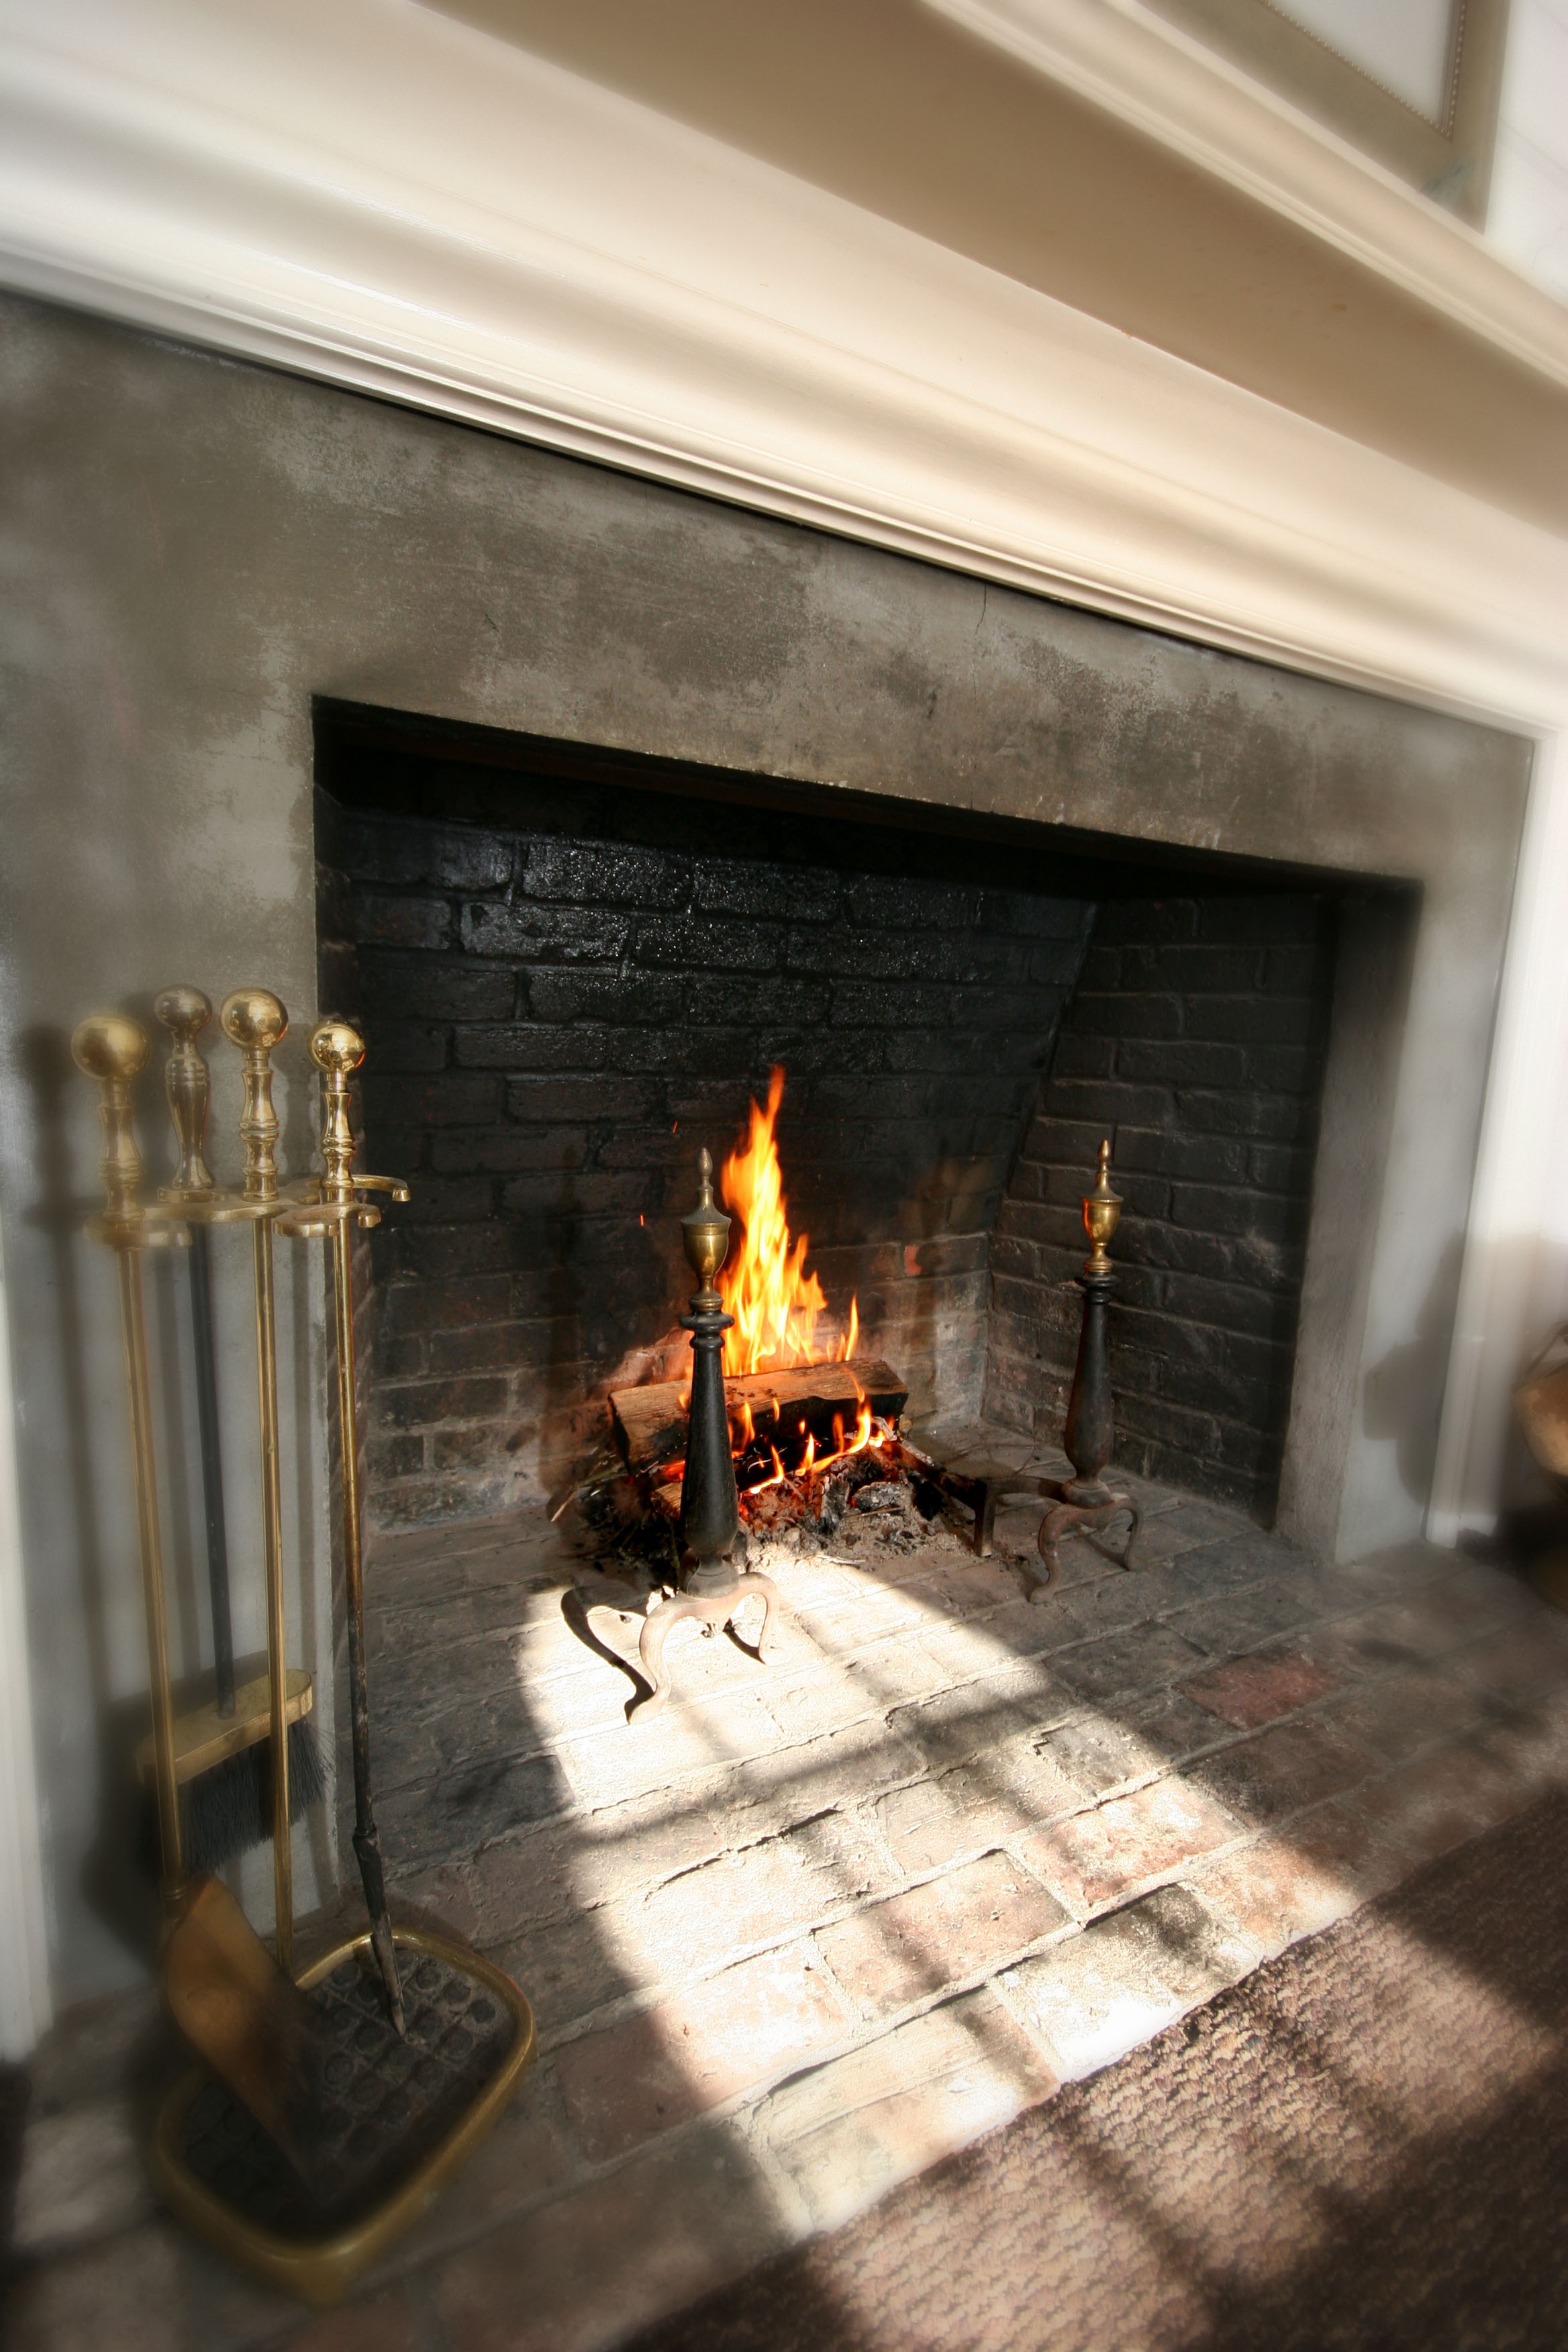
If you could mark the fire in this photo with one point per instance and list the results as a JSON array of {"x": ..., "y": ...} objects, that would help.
[
  {"x": 765, "y": 1286},
  {"x": 870, "y": 1435}
]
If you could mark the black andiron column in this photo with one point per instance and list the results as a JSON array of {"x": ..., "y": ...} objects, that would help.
[
  {"x": 714, "y": 1580},
  {"x": 1085, "y": 1500}
]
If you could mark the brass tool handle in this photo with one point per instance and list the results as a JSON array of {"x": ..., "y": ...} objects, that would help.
[
  {"x": 253, "y": 1019},
  {"x": 185, "y": 1013},
  {"x": 337, "y": 1050},
  {"x": 114, "y": 1051}
]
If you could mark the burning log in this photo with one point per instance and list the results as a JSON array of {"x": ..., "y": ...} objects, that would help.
[{"x": 779, "y": 1408}]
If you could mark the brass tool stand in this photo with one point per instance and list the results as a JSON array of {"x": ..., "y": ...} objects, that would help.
[
  {"x": 1086, "y": 1501},
  {"x": 227, "y": 1996},
  {"x": 429, "y": 2039},
  {"x": 303, "y": 2192}
]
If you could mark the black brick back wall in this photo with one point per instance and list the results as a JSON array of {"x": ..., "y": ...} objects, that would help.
[
  {"x": 1196, "y": 1042},
  {"x": 560, "y": 1008}
]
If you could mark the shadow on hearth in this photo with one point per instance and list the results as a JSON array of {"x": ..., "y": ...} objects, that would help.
[{"x": 1361, "y": 2145}]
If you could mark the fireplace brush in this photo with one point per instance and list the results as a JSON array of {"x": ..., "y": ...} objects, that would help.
[{"x": 223, "y": 1751}]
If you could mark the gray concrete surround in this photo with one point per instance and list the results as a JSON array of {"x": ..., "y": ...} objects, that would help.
[{"x": 194, "y": 549}]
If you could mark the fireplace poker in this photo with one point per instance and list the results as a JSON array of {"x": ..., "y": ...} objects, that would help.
[
  {"x": 332, "y": 1204},
  {"x": 235, "y": 2006}
]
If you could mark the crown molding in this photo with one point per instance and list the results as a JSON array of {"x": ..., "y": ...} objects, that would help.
[{"x": 1147, "y": 72}]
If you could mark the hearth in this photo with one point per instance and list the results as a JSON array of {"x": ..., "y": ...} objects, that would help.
[{"x": 575, "y": 967}]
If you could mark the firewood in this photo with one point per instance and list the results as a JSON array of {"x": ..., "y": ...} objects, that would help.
[{"x": 649, "y": 1423}]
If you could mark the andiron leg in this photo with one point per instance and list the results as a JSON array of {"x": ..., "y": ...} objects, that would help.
[
  {"x": 1087, "y": 1511},
  {"x": 710, "y": 1609}
]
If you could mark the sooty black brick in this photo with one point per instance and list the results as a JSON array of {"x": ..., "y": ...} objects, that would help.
[{"x": 1195, "y": 1042}]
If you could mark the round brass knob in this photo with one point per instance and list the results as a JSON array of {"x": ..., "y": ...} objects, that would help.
[
  {"x": 108, "y": 1046},
  {"x": 253, "y": 1016},
  {"x": 336, "y": 1047},
  {"x": 184, "y": 1012}
]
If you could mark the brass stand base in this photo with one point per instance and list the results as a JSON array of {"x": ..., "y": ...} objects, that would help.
[
  {"x": 710, "y": 1609},
  {"x": 1078, "y": 1503},
  {"x": 409, "y": 2120}
]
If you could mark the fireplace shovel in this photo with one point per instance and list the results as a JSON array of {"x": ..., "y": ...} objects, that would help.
[{"x": 230, "y": 1998}]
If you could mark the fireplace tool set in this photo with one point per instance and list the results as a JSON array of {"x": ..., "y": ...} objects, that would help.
[{"x": 330, "y": 2105}]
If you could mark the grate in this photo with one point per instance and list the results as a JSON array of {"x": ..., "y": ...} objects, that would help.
[{"x": 387, "y": 2106}]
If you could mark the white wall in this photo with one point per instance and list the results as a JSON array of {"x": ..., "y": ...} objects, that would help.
[
  {"x": 25, "y": 2005},
  {"x": 1527, "y": 217}
]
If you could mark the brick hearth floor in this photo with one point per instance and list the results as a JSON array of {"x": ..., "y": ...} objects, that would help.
[{"x": 824, "y": 1921}]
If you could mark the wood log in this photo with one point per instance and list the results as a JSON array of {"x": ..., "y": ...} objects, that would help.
[{"x": 649, "y": 1423}]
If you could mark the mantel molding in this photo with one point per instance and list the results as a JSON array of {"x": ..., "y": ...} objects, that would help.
[
  {"x": 567, "y": 265},
  {"x": 1149, "y": 73}
]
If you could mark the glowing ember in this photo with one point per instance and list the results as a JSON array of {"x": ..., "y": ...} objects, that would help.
[{"x": 765, "y": 1285}]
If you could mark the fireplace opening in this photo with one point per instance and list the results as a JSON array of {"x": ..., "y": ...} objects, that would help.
[{"x": 575, "y": 967}]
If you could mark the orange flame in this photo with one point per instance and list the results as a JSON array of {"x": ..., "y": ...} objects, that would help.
[
  {"x": 867, "y": 1433},
  {"x": 765, "y": 1285}
]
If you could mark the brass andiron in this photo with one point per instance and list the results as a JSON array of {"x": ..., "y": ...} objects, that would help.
[
  {"x": 1085, "y": 1500},
  {"x": 332, "y": 1206},
  {"x": 710, "y": 1506},
  {"x": 714, "y": 1580}
]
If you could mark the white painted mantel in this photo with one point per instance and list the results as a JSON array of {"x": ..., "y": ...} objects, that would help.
[{"x": 376, "y": 194}]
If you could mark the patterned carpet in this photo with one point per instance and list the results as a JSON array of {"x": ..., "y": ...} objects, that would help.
[{"x": 1365, "y": 2144}]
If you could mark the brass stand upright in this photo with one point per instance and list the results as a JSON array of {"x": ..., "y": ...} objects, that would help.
[{"x": 288, "y": 2154}]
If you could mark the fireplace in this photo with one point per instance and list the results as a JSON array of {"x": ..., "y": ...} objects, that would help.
[
  {"x": 573, "y": 968},
  {"x": 634, "y": 678}
]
